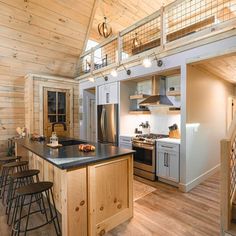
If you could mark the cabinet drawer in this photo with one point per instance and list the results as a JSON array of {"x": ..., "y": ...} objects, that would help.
[
  {"x": 126, "y": 139},
  {"x": 167, "y": 147}
]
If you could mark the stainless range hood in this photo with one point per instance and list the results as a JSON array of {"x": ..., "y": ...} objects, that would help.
[{"x": 158, "y": 97}]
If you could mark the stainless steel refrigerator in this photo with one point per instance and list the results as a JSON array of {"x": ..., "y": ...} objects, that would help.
[{"x": 108, "y": 124}]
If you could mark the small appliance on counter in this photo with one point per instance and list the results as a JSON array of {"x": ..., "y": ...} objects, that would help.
[
  {"x": 54, "y": 141},
  {"x": 174, "y": 131}
]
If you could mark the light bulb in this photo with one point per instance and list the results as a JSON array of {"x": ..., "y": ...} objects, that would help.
[
  {"x": 114, "y": 73},
  {"x": 91, "y": 79},
  {"x": 147, "y": 62}
]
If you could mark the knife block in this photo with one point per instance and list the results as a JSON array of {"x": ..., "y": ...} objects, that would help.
[{"x": 174, "y": 134}]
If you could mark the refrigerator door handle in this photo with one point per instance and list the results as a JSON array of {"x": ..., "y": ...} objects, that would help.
[{"x": 103, "y": 122}]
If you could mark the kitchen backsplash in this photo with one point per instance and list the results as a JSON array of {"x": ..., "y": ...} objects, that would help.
[{"x": 159, "y": 122}]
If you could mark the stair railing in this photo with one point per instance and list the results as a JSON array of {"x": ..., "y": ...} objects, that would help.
[{"x": 228, "y": 176}]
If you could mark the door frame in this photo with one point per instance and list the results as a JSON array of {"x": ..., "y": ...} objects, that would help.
[
  {"x": 45, "y": 106},
  {"x": 89, "y": 102},
  {"x": 52, "y": 85}
]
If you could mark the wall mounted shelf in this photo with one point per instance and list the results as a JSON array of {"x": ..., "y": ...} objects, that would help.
[
  {"x": 140, "y": 112},
  {"x": 138, "y": 96}
]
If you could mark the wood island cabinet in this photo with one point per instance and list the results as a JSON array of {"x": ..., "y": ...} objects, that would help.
[{"x": 92, "y": 199}]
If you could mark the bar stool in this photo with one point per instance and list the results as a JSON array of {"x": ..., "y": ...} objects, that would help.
[
  {"x": 10, "y": 168},
  {"x": 17, "y": 180},
  {"x": 33, "y": 191},
  {"x": 4, "y": 160}
]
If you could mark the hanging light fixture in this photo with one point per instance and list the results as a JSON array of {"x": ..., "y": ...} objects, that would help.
[
  {"x": 104, "y": 29},
  {"x": 136, "y": 42}
]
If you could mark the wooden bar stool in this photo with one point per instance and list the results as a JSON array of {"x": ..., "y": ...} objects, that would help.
[
  {"x": 10, "y": 168},
  {"x": 17, "y": 180},
  {"x": 33, "y": 191}
]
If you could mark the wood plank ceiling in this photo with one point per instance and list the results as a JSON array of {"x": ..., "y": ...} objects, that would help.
[
  {"x": 36, "y": 36},
  {"x": 123, "y": 13},
  {"x": 223, "y": 67}
]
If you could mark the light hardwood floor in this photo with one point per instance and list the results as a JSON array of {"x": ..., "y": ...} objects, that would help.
[{"x": 163, "y": 211}]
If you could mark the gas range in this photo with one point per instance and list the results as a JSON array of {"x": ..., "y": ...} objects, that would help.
[
  {"x": 148, "y": 138},
  {"x": 145, "y": 155}
]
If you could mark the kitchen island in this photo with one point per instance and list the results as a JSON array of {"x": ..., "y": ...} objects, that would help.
[{"x": 93, "y": 191}]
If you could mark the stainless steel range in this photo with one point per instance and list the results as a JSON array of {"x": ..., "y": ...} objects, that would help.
[{"x": 145, "y": 156}]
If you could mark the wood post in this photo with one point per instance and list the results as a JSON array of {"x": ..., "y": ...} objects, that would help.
[{"x": 225, "y": 184}]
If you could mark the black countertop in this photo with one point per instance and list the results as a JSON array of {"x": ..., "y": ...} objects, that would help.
[{"x": 67, "y": 157}]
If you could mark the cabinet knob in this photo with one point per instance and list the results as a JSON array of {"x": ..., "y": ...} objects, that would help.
[{"x": 101, "y": 208}]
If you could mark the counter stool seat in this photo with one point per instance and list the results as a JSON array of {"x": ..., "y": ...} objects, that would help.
[
  {"x": 15, "y": 164},
  {"x": 41, "y": 191},
  {"x": 34, "y": 188},
  {"x": 9, "y": 159},
  {"x": 24, "y": 174}
]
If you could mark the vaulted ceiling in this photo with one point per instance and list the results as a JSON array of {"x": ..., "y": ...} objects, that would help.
[{"x": 123, "y": 13}]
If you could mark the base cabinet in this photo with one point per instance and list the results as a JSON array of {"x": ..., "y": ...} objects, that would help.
[
  {"x": 168, "y": 161},
  {"x": 92, "y": 199}
]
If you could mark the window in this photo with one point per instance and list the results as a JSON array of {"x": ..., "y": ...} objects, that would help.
[{"x": 56, "y": 106}]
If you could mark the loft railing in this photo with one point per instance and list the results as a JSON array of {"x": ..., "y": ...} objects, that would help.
[
  {"x": 228, "y": 177},
  {"x": 179, "y": 23}
]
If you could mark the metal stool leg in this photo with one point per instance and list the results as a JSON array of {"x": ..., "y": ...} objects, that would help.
[{"x": 55, "y": 218}]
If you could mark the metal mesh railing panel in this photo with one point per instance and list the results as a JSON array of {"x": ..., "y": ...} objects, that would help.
[
  {"x": 191, "y": 16},
  {"x": 142, "y": 38},
  {"x": 105, "y": 55}
]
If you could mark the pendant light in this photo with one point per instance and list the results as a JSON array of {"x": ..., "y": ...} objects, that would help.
[
  {"x": 136, "y": 42},
  {"x": 104, "y": 29}
]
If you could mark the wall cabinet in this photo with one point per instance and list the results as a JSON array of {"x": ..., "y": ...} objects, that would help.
[
  {"x": 168, "y": 161},
  {"x": 108, "y": 93}
]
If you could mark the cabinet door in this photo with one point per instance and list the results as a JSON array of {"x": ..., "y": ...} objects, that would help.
[
  {"x": 113, "y": 93},
  {"x": 108, "y": 93},
  {"x": 110, "y": 193},
  {"x": 173, "y": 167},
  {"x": 162, "y": 165},
  {"x": 101, "y": 95}
]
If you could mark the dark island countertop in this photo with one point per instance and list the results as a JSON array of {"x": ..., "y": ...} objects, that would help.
[{"x": 67, "y": 157}]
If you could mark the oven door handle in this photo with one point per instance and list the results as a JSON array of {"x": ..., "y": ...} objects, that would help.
[{"x": 143, "y": 147}]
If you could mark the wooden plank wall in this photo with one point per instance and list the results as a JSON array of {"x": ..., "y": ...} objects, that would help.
[{"x": 36, "y": 36}]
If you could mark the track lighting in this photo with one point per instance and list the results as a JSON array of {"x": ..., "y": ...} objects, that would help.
[
  {"x": 105, "y": 77},
  {"x": 91, "y": 79},
  {"x": 114, "y": 73},
  {"x": 147, "y": 62},
  {"x": 128, "y": 71}
]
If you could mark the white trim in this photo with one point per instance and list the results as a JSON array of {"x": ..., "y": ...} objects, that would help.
[{"x": 190, "y": 185}]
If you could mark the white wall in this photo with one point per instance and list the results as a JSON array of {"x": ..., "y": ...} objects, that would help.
[{"x": 207, "y": 97}]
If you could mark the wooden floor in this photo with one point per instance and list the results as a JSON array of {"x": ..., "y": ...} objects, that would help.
[{"x": 163, "y": 211}]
